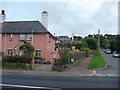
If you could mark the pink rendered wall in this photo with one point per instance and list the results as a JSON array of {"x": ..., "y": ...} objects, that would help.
[
  {"x": 0, "y": 42},
  {"x": 40, "y": 42},
  {"x": 50, "y": 46}
]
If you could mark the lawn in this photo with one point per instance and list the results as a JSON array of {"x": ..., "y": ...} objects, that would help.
[
  {"x": 97, "y": 61},
  {"x": 37, "y": 65}
]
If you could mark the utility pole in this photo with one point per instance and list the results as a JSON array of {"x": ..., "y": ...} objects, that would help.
[
  {"x": 73, "y": 37},
  {"x": 98, "y": 38}
]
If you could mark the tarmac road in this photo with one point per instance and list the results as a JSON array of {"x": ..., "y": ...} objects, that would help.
[
  {"x": 112, "y": 64},
  {"x": 58, "y": 81}
]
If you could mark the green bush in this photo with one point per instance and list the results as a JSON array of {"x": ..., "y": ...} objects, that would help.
[
  {"x": 87, "y": 50},
  {"x": 63, "y": 60},
  {"x": 1, "y": 53},
  {"x": 21, "y": 59},
  {"x": 92, "y": 43},
  {"x": 39, "y": 57},
  {"x": 16, "y": 65}
]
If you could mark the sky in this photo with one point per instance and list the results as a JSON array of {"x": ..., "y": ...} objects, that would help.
[{"x": 81, "y": 17}]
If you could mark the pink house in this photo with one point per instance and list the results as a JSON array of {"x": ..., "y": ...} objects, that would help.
[{"x": 13, "y": 32}]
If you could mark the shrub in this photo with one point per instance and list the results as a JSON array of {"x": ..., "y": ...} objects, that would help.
[
  {"x": 39, "y": 57},
  {"x": 87, "y": 50},
  {"x": 16, "y": 65},
  {"x": 64, "y": 57},
  {"x": 21, "y": 59},
  {"x": 27, "y": 49},
  {"x": 74, "y": 50},
  {"x": 63, "y": 60},
  {"x": 8, "y": 58}
]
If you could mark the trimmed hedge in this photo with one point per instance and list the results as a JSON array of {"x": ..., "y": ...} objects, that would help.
[
  {"x": 16, "y": 65},
  {"x": 21, "y": 59},
  {"x": 39, "y": 57}
]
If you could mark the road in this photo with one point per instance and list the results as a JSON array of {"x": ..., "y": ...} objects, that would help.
[
  {"x": 58, "y": 81},
  {"x": 112, "y": 64}
]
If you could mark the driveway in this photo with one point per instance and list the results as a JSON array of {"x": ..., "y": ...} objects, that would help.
[{"x": 112, "y": 64}]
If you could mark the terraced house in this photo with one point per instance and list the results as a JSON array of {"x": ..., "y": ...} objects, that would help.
[{"x": 14, "y": 32}]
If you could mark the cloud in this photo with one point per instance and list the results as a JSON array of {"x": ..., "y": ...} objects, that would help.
[
  {"x": 83, "y": 20},
  {"x": 81, "y": 17}
]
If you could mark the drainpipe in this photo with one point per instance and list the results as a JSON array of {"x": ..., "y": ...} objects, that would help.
[
  {"x": 33, "y": 53},
  {"x": 5, "y": 44}
]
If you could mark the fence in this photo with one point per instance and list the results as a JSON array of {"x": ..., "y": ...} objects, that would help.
[
  {"x": 73, "y": 58},
  {"x": 76, "y": 57}
]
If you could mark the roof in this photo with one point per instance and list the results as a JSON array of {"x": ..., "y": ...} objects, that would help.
[{"x": 23, "y": 27}]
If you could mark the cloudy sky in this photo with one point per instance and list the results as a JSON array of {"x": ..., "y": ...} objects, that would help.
[{"x": 82, "y": 17}]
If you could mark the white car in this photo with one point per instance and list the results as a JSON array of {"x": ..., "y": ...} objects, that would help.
[
  {"x": 108, "y": 51},
  {"x": 116, "y": 54}
]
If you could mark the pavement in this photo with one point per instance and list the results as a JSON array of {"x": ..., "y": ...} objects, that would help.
[{"x": 79, "y": 69}]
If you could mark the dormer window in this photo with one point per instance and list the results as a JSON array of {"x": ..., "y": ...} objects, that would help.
[
  {"x": 22, "y": 36},
  {"x": 11, "y": 36}
]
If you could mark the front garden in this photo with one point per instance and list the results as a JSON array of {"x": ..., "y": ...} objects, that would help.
[{"x": 22, "y": 61}]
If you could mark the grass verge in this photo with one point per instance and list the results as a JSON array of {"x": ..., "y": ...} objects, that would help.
[{"x": 97, "y": 61}]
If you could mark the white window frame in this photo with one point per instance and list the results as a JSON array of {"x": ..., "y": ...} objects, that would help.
[
  {"x": 23, "y": 37},
  {"x": 29, "y": 37},
  {"x": 38, "y": 52},
  {"x": 11, "y": 36},
  {"x": 10, "y": 52}
]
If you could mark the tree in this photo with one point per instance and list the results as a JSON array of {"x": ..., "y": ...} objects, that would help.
[
  {"x": 26, "y": 49},
  {"x": 117, "y": 43},
  {"x": 105, "y": 44},
  {"x": 112, "y": 45},
  {"x": 92, "y": 43},
  {"x": 79, "y": 45}
]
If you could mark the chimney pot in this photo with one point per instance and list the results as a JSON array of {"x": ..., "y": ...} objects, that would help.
[{"x": 3, "y": 12}]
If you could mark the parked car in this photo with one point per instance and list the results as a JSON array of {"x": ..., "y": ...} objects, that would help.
[
  {"x": 108, "y": 51},
  {"x": 116, "y": 54}
]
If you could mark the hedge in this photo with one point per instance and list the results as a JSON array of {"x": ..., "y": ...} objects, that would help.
[
  {"x": 87, "y": 50},
  {"x": 16, "y": 65},
  {"x": 21, "y": 59}
]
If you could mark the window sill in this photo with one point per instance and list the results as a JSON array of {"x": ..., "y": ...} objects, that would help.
[{"x": 28, "y": 40}]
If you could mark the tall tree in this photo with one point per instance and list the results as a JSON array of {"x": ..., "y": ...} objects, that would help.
[{"x": 92, "y": 43}]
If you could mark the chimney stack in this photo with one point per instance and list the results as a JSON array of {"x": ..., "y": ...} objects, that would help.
[
  {"x": 44, "y": 19},
  {"x": 2, "y": 16}
]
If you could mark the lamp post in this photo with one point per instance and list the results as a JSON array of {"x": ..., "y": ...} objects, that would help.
[{"x": 98, "y": 38}]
